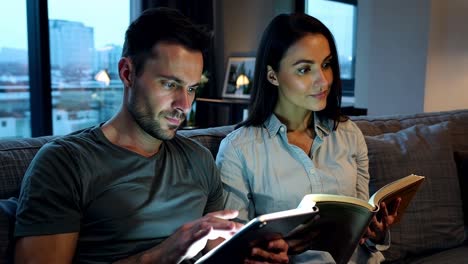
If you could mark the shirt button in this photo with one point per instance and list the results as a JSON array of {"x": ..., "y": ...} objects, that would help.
[
  {"x": 312, "y": 171},
  {"x": 282, "y": 129}
]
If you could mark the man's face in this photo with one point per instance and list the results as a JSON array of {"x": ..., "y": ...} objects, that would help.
[{"x": 160, "y": 98}]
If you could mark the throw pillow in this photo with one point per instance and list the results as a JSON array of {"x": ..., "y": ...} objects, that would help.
[
  {"x": 434, "y": 218},
  {"x": 461, "y": 158},
  {"x": 7, "y": 222}
]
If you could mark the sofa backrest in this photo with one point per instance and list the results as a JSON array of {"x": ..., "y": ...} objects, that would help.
[
  {"x": 16, "y": 154},
  {"x": 458, "y": 126},
  {"x": 208, "y": 137},
  {"x": 423, "y": 144}
]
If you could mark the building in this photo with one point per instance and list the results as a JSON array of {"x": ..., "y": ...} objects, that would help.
[
  {"x": 107, "y": 58},
  {"x": 71, "y": 45}
]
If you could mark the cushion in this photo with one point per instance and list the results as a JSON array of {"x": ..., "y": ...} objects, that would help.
[
  {"x": 7, "y": 222},
  {"x": 457, "y": 255},
  {"x": 434, "y": 219},
  {"x": 461, "y": 159},
  {"x": 15, "y": 156},
  {"x": 210, "y": 138}
]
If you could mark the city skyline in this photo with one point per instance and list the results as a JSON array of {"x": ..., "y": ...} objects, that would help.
[
  {"x": 99, "y": 14},
  {"x": 73, "y": 56},
  {"x": 79, "y": 49}
]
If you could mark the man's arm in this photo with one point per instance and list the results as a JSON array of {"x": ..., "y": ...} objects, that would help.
[
  {"x": 47, "y": 249},
  {"x": 185, "y": 243},
  {"x": 188, "y": 240}
]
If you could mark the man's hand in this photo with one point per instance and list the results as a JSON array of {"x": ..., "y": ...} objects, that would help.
[
  {"x": 215, "y": 231},
  {"x": 191, "y": 238},
  {"x": 377, "y": 230},
  {"x": 303, "y": 237},
  {"x": 274, "y": 252}
]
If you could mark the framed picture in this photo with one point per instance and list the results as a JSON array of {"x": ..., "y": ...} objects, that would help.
[{"x": 239, "y": 77}]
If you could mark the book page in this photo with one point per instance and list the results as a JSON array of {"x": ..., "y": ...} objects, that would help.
[
  {"x": 320, "y": 197},
  {"x": 342, "y": 222},
  {"x": 405, "y": 188},
  {"x": 340, "y": 225}
]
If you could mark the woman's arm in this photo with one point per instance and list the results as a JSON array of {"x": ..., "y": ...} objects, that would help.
[
  {"x": 231, "y": 165},
  {"x": 362, "y": 162}
]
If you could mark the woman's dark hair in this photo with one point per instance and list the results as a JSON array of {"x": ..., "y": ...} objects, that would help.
[
  {"x": 282, "y": 32},
  {"x": 162, "y": 24}
]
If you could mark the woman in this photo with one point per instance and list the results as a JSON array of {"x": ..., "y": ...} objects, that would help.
[{"x": 295, "y": 140}]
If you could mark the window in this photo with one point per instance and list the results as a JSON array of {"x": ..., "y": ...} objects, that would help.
[
  {"x": 86, "y": 39},
  {"x": 340, "y": 17},
  {"x": 14, "y": 78},
  {"x": 85, "y": 45}
]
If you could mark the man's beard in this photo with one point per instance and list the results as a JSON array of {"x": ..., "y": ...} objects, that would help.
[{"x": 144, "y": 117}]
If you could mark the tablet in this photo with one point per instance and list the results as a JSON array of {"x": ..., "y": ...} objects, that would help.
[{"x": 259, "y": 230}]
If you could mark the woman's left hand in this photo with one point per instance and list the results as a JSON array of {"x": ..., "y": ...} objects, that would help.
[{"x": 377, "y": 230}]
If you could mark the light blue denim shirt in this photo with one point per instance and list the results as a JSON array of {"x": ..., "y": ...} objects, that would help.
[{"x": 262, "y": 173}]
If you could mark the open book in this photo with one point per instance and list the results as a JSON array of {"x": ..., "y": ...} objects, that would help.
[
  {"x": 344, "y": 220},
  {"x": 341, "y": 222},
  {"x": 256, "y": 232}
]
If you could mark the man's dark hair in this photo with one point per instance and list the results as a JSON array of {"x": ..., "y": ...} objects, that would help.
[
  {"x": 282, "y": 32},
  {"x": 162, "y": 24}
]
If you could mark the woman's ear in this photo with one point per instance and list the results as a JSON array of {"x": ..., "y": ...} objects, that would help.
[{"x": 271, "y": 76}]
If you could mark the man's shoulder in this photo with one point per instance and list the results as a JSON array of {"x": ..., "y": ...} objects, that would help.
[
  {"x": 83, "y": 134},
  {"x": 188, "y": 145},
  {"x": 78, "y": 140}
]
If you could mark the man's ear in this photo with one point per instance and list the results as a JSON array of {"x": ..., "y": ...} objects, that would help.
[
  {"x": 126, "y": 71},
  {"x": 271, "y": 76}
]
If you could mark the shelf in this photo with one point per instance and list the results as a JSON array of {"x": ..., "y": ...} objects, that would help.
[
  {"x": 218, "y": 112},
  {"x": 224, "y": 101}
]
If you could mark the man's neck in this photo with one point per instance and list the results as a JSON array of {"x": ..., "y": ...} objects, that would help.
[{"x": 123, "y": 131}]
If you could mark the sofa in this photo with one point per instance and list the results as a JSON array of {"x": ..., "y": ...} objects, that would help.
[{"x": 434, "y": 226}]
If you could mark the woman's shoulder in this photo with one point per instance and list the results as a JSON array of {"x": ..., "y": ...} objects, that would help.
[
  {"x": 348, "y": 127},
  {"x": 243, "y": 135}
]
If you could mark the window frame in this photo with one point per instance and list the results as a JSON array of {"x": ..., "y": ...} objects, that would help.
[
  {"x": 347, "y": 84},
  {"x": 39, "y": 65},
  {"x": 40, "y": 90}
]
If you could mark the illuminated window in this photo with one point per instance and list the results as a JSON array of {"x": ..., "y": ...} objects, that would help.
[
  {"x": 14, "y": 78},
  {"x": 85, "y": 46},
  {"x": 340, "y": 17}
]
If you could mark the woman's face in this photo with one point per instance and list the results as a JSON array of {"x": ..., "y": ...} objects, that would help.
[{"x": 304, "y": 77}]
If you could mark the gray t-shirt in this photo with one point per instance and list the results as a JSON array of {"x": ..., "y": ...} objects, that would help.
[{"x": 120, "y": 202}]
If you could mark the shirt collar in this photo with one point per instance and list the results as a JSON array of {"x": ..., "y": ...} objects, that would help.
[{"x": 322, "y": 127}]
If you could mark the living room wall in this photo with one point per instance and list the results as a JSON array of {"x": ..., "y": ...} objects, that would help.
[
  {"x": 412, "y": 56},
  {"x": 447, "y": 67},
  {"x": 239, "y": 26}
]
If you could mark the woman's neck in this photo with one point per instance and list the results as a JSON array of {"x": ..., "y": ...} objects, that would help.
[{"x": 298, "y": 122}]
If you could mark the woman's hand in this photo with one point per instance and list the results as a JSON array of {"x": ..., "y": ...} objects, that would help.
[{"x": 377, "y": 230}]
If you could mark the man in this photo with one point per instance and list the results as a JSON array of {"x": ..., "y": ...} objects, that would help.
[{"x": 130, "y": 190}]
